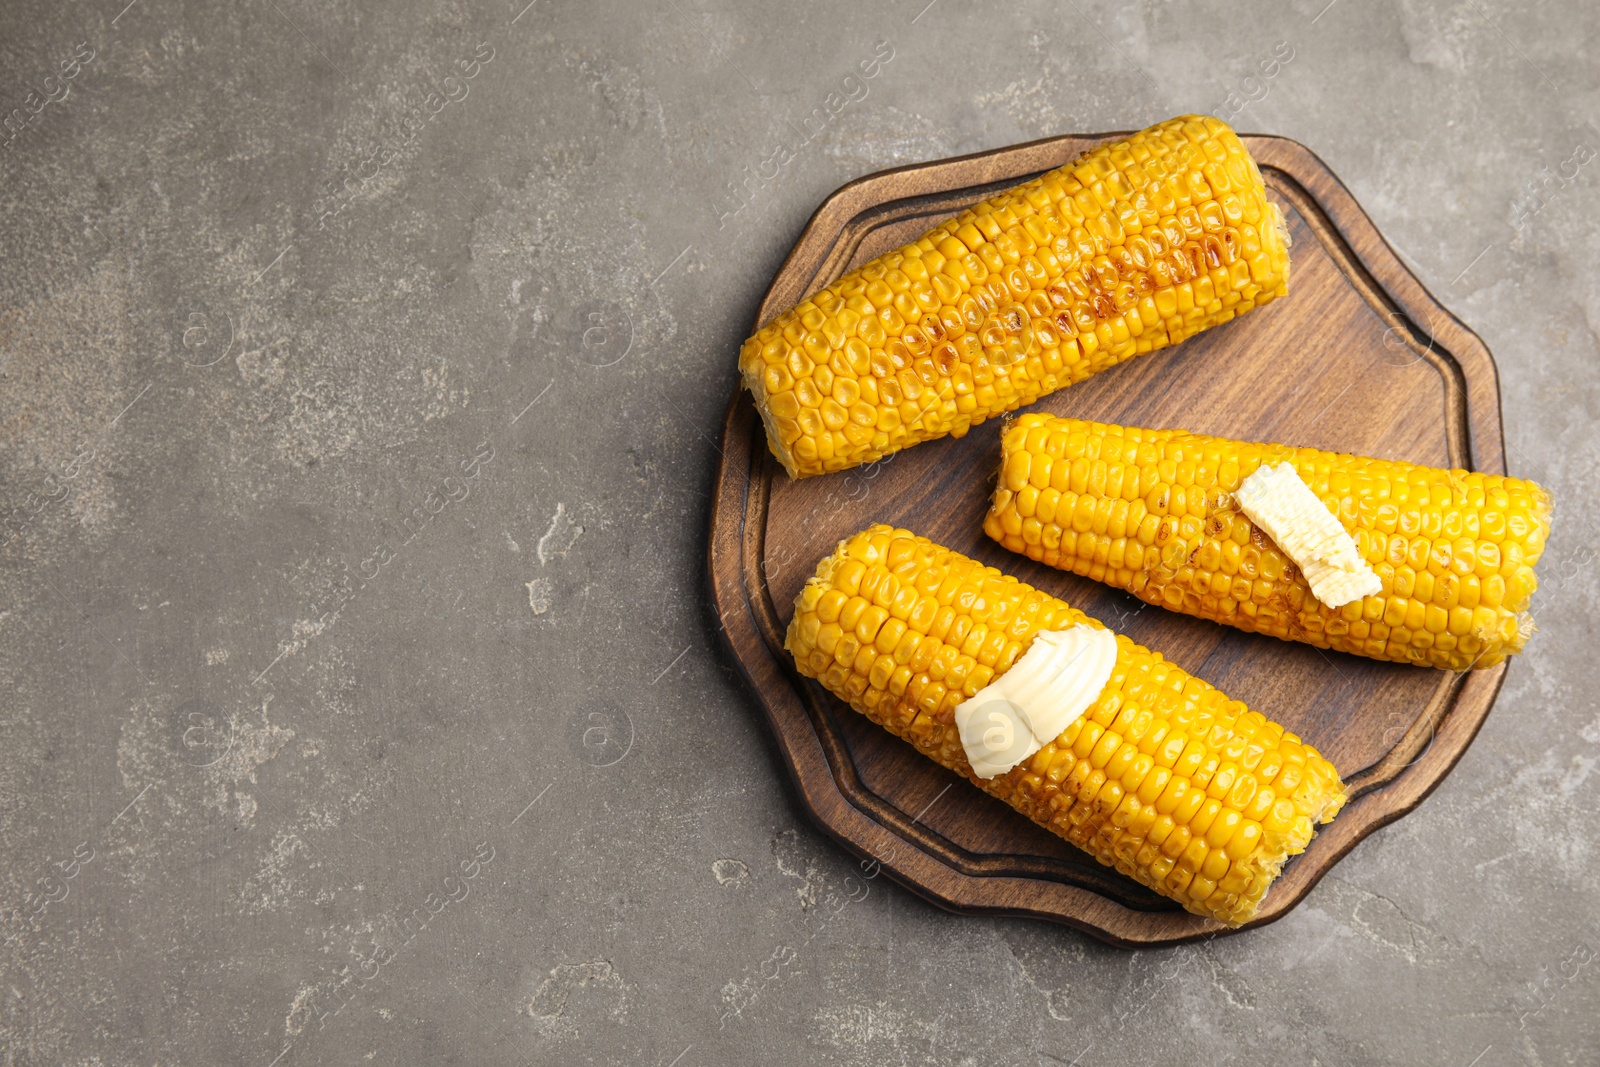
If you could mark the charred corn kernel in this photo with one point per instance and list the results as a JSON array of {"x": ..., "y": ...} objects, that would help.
[
  {"x": 1150, "y": 779},
  {"x": 1435, "y": 538},
  {"x": 1137, "y": 245}
]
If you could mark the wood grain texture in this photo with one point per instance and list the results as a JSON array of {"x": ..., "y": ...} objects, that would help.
[{"x": 1358, "y": 358}]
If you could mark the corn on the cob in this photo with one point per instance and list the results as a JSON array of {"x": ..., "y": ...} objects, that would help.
[
  {"x": 1152, "y": 512},
  {"x": 1163, "y": 777},
  {"x": 1137, "y": 245}
]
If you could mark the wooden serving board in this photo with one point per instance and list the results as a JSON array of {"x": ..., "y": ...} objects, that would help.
[{"x": 1358, "y": 358}]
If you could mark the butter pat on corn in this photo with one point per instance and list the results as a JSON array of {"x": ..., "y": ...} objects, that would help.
[
  {"x": 1278, "y": 501},
  {"x": 1034, "y": 702}
]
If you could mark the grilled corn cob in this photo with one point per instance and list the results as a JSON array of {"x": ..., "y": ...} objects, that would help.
[
  {"x": 1137, "y": 245},
  {"x": 1152, "y": 512},
  {"x": 1163, "y": 777}
]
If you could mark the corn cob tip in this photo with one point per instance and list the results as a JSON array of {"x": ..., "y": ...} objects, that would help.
[{"x": 1525, "y": 629}]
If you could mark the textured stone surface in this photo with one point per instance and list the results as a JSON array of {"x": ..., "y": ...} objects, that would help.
[{"x": 249, "y": 816}]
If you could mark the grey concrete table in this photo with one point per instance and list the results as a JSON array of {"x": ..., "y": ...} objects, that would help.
[{"x": 359, "y": 372}]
